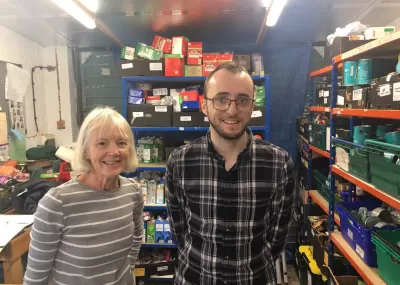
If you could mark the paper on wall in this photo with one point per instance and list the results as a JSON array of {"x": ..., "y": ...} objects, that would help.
[
  {"x": 17, "y": 81},
  {"x": 3, "y": 128}
]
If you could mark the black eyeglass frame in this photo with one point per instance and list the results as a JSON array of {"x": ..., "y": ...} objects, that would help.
[{"x": 230, "y": 102}]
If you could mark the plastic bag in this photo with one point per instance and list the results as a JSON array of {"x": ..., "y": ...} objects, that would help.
[{"x": 354, "y": 28}]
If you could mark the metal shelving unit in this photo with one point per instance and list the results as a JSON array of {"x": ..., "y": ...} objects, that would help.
[
  {"x": 126, "y": 82},
  {"x": 388, "y": 45}
]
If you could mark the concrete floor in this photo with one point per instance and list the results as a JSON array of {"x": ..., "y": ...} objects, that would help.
[{"x": 292, "y": 275}]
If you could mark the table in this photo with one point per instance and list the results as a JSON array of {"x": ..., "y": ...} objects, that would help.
[{"x": 11, "y": 256}]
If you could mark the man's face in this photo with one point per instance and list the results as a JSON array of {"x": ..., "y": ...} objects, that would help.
[{"x": 231, "y": 123}]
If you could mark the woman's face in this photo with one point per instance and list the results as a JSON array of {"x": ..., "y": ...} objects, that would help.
[{"x": 108, "y": 152}]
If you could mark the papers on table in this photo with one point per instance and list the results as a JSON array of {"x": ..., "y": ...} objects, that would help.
[{"x": 12, "y": 225}]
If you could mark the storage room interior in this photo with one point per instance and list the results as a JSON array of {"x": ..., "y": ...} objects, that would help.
[{"x": 326, "y": 79}]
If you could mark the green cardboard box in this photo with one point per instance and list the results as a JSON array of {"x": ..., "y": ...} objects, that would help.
[{"x": 148, "y": 52}]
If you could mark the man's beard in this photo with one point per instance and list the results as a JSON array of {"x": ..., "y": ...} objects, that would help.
[{"x": 228, "y": 136}]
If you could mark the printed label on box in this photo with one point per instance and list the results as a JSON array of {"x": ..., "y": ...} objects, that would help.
[
  {"x": 137, "y": 114},
  {"x": 127, "y": 65},
  {"x": 340, "y": 100},
  {"x": 160, "y": 109},
  {"x": 325, "y": 100},
  {"x": 326, "y": 93},
  {"x": 357, "y": 95},
  {"x": 396, "y": 91},
  {"x": 321, "y": 93},
  {"x": 350, "y": 234},
  {"x": 256, "y": 114},
  {"x": 360, "y": 251},
  {"x": 384, "y": 90},
  {"x": 186, "y": 118},
  {"x": 156, "y": 66},
  {"x": 162, "y": 268}
]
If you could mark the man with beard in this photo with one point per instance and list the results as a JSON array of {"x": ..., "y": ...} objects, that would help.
[{"x": 230, "y": 195}]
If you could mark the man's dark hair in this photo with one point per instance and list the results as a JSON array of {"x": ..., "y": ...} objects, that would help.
[{"x": 232, "y": 67}]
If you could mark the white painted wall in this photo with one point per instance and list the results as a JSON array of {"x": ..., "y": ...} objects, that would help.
[{"x": 17, "y": 49}]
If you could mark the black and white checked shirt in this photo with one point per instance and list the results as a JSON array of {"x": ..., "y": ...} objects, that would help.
[{"x": 230, "y": 226}]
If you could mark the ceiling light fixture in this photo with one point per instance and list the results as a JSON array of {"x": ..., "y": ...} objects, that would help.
[
  {"x": 275, "y": 12},
  {"x": 78, "y": 13}
]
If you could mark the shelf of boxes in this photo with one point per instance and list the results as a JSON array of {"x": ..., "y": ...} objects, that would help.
[
  {"x": 387, "y": 46},
  {"x": 155, "y": 207},
  {"x": 158, "y": 245},
  {"x": 367, "y": 113},
  {"x": 395, "y": 203},
  {"x": 156, "y": 166}
]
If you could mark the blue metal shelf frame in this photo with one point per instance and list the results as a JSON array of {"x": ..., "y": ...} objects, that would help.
[
  {"x": 155, "y": 208},
  {"x": 266, "y": 80}
]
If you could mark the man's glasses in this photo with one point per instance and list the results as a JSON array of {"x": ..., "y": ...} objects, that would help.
[{"x": 223, "y": 104}]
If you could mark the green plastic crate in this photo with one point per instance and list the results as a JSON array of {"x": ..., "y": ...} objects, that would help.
[
  {"x": 388, "y": 254},
  {"x": 318, "y": 135},
  {"x": 359, "y": 163},
  {"x": 385, "y": 166},
  {"x": 323, "y": 186}
]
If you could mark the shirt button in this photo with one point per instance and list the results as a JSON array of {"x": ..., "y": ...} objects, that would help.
[
  {"x": 227, "y": 229},
  {"x": 226, "y": 282}
]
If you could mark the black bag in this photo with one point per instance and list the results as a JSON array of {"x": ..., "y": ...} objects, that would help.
[{"x": 26, "y": 196}]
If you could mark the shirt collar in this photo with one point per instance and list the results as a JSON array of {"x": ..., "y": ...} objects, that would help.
[{"x": 245, "y": 153}]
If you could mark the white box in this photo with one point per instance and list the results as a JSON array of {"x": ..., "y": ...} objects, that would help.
[
  {"x": 378, "y": 32},
  {"x": 160, "y": 91}
]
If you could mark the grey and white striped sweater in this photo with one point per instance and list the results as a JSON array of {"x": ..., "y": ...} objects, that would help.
[{"x": 86, "y": 236}]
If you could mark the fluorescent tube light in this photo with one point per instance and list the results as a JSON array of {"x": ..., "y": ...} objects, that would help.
[
  {"x": 275, "y": 12},
  {"x": 75, "y": 11}
]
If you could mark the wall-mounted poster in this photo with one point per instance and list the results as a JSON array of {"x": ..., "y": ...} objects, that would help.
[{"x": 17, "y": 116}]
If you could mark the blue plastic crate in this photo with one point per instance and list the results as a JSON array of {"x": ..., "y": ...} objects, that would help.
[{"x": 356, "y": 235}]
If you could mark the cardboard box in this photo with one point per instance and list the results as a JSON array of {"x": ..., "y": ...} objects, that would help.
[
  {"x": 193, "y": 70},
  {"x": 257, "y": 62},
  {"x": 385, "y": 93},
  {"x": 378, "y": 32},
  {"x": 258, "y": 116},
  {"x": 144, "y": 86},
  {"x": 176, "y": 98},
  {"x": 341, "y": 45},
  {"x": 141, "y": 67},
  {"x": 174, "y": 65},
  {"x": 167, "y": 233},
  {"x": 151, "y": 232},
  {"x": 180, "y": 45},
  {"x": 149, "y": 116},
  {"x": 209, "y": 63},
  {"x": 160, "y": 91},
  {"x": 162, "y": 44},
  {"x": 195, "y": 53},
  {"x": 4, "y": 152},
  {"x": 160, "y": 194},
  {"x": 225, "y": 57},
  {"x": 128, "y": 53},
  {"x": 148, "y": 52},
  {"x": 189, "y": 119},
  {"x": 244, "y": 60},
  {"x": 190, "y": 96},
  {"x": 159, "y": 237}
]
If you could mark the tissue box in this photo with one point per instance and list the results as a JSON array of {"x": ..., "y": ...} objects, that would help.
[
  {"x": 148, "y": 52},
  {"x": 209, "y": 63},
  {"x": 167, "y": 233},
  {"x": 127, "y": 53},
  {"x": 151, "y": 231},
  {"x": 174, "y": 65}
]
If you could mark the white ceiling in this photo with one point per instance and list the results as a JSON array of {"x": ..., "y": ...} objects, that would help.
[{"x": 44, "y": 23}]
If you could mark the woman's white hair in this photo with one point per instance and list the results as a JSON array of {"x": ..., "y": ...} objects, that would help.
[{"x": 107, "y": 119}]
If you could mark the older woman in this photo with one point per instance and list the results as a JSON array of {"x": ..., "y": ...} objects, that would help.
[{"x": 89, "y": 230}]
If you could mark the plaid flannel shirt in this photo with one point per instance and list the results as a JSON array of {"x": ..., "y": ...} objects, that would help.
[{"x": 230, "y": 226}]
